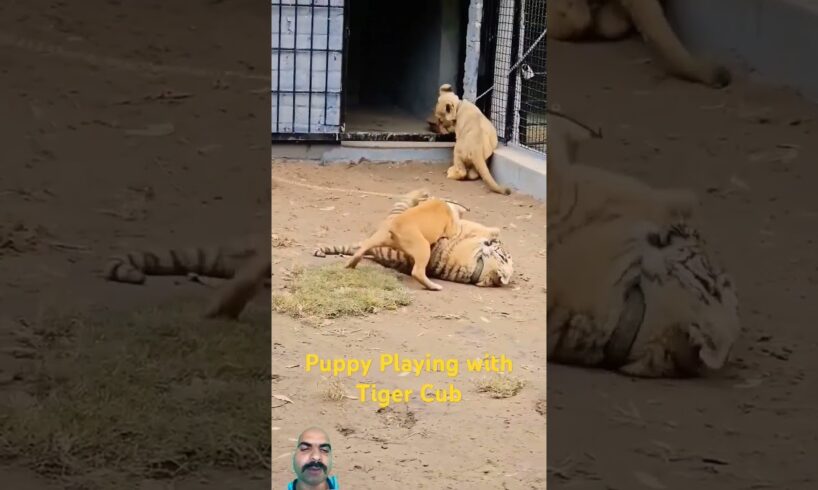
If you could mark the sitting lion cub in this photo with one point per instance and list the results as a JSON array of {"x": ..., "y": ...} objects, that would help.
[
  {"x": 413, "y": 232},
  {"x": 475, "y": 138}
]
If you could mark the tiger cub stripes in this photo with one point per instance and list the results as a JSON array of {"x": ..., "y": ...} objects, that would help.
[
  {"x": 474, "y": 256},
  {"x": 651, "y": 302},
  {"x": 217, "y": 262}
]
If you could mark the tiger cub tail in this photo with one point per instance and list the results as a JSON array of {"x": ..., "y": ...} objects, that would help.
[
  {"x": 335, "y": 250},
  {"x": 217, "y": 262}
]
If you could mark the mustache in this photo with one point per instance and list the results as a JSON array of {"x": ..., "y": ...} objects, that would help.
[{"x": 315, "y": 464}]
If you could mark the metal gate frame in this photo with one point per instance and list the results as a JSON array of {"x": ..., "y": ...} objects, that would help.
[
  {"x": 342, "y": 134},
  {"x": 276, "y": 134}
]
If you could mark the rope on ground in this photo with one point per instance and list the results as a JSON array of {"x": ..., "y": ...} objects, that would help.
[{"x": 334, "y": 189}]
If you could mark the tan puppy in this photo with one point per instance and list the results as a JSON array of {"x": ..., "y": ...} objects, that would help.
[
  {"x": 413, "y": 232},
  {"x": 476, "y": 138}
]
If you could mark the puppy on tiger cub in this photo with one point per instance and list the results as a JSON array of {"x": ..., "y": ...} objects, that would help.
[{"x": 413, "y": 232}]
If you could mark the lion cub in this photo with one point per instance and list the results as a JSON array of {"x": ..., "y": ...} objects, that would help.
[
  {"x": 475, "y": 138},
  {"x": 413, "y": 232}
]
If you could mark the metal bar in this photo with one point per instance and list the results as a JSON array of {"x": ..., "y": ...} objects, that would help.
[
  {"x": 512, "y": 77},
  {"x": 305, "y": 91},
  {"x": 326, "y": 64},
  {"x": 488, "y": 48},
  {"x": 312, "y": 54},
  {"x": 289, "y": 137},
  {"x": 389, "y": 136},
  {"x": 318, "y": 50},
  {"x": 295, "y": 54},
  {"x": 278, "y": 74},
  {"x": 344, "y": 59}
]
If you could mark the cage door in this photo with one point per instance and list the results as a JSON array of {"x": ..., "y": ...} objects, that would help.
[{"x": 307, "y": 53}]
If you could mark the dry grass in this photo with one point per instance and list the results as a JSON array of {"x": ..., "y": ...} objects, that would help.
[
  {"x": 333, "y": 291},
  {"x": 334, "y": 390},
  {"x": 154, "y": 394},
  {"x": 500, "y": 386}
]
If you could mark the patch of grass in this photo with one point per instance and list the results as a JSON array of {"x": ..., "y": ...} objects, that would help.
[
  {"x": 153, "y": 394},
  {"x": 334, "y": 390},
  {"x": 333, "y": 291},
  {"x": 500, "y": 386}
]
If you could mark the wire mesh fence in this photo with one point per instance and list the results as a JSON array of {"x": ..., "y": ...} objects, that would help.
[
  {"x": 512, "y": 71},
  {"x": 531, "y": 76}
]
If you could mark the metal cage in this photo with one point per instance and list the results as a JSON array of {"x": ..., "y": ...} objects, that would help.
[
  {"x": 307, "y": 69},
  {"x": 512, "y": 60}
]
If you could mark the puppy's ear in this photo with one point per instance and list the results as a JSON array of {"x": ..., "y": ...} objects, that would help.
[{"x": 446, "y": 87}]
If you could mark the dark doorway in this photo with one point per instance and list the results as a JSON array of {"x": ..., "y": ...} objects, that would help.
[{"x": 398, "y": 55}]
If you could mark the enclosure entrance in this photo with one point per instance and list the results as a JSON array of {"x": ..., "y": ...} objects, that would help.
[{"x": 398, "y": 55}]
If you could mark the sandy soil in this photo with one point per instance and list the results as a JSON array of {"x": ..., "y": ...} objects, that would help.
[
  {"x": 749, "y": 152},
  {"x": 76, "y": 186},
  {"x": 481, "y": 442}
]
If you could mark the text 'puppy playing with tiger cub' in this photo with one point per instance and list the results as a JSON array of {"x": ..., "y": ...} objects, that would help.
[{"x": 413, "y": 232}]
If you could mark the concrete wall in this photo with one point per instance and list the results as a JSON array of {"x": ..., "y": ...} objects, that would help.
[
  {"x": 777, "y": 38},
  {"x": 472, "y": 62},
  {"x": 434, "y": 57},
  {"x": 451, "y": 38},
  {"x": 423, "y": 56}
]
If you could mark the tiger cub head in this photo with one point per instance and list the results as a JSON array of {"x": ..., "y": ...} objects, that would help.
[{"x": 498, "y": 267}]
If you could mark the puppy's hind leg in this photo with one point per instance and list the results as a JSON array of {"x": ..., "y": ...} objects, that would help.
[
  {"x": 231, "y": 300},
  {"x": 420, "y": 250}
]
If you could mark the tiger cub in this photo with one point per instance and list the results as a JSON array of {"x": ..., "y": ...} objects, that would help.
[
  {"x": 475, "y": 255},
  {"x": 217, "y": 262},
  {"x": 413, "y": 232},
  {"x": 632, "y": 286},
  {"x": 246, "y": 268},
  {"x": 644, "y": 299}
]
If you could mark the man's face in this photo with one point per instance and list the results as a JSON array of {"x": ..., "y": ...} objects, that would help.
[{"x": 312, "y": 461}]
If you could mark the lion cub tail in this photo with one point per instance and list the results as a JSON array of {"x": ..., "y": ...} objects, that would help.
[{"x": 483, "y": 169}]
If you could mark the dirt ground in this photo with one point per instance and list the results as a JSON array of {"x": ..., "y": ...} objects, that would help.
[
  {"x": 478, "y": 441},
  {"x": 76, "y": 187},
  {"x": 749, "y": 152}
]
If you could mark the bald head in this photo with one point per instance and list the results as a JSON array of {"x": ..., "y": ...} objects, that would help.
[{"x": 313, "y": 432}]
